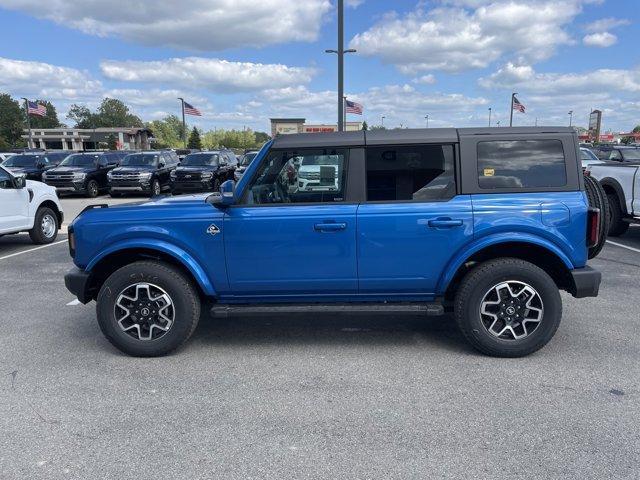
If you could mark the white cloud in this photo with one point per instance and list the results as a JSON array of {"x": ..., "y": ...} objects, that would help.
[
  {"x": 354, "y": 3},
  {"x": 38, "y": 79},
  {"x": 209, "y": 73},
  {"x": 605, "y": 24},
  {"x": 464, "y": 35},
  {"x": 602, "y": 39},
  {"x": 205, "y": 25},
  {"x": 425, "y": 79}
]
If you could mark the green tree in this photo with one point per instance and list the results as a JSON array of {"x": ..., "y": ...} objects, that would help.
[
  {"x": 82, "y": 116},
  {"x": 48, "y": 121},
  {"x": 636, "y": 129},
  {"x": 112, "y": 142},
  {"x": 12, "y": 121},
  {"x": 168, "y": 132},
  {"x": 377, "y": 127},
  {"x": 365, "y": 125},
  {"x": 194, "y": 139},
  {"x": 261, "y": 138},
  {"x": 111, "y": 113}
]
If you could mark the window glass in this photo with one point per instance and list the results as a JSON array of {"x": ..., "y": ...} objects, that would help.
[
  {"x": 615, "y": 155},
  {"x": 200, "y": 160},
  {"x": 630, "y": 154},
  {"x": 418, "y": 173},
  {"x": 521, "y": 164},
  {"x": 305, "y": 176},
  {"x": 80, "y": 160},
  {"x": 141, "y": 160},
  {"x": 5, "y": 179}
]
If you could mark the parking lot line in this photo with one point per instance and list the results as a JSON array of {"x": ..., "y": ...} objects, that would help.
[
  {"x": 624, "y": 246},
  {"x": 32, "y": 249}
]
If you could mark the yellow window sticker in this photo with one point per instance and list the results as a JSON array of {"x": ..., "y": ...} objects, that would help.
[{"x": 489, "y": 172}]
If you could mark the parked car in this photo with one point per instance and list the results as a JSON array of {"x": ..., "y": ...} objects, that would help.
[
  {"x": 201, "y": 172},
  {"x": 621, "y": 183},
  {"x": 29, "y": 206},
  {"x": 588, "y": 157},
  {"x": 617, "y": 153},
  {"x": 143, "y": 172},
  {"x": 83, "y": 173},
  {"x": 33, "y": 165},
  {"x": 243, "y": 162},
  {"x": 494, "y": 242}
]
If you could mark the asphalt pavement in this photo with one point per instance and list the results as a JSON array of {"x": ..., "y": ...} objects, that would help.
[{"x": 315, "y": 396}]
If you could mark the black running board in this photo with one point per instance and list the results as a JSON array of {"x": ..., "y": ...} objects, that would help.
[{"x": 429, "y": 309}]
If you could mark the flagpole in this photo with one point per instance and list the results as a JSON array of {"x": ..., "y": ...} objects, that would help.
[
  {"x": 184, "y": 124},
  {"x": 344, "y": 114},
  {"x": 26, "y": 110},
  {"x": 511, "y": 115}
]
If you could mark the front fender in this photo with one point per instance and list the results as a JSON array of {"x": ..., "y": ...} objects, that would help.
[
  {"x": 164, "y": 247},
  {"x": 474, "y": 247}
]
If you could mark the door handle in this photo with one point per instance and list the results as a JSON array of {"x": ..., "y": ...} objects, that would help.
[
  {"x": 329, "y": 227},
  {"x": 444, "y": 223}
]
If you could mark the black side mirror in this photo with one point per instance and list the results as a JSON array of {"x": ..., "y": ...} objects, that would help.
[{"x": 20, "y": 182}]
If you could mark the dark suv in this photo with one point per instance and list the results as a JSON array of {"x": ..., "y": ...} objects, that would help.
[
  {"x": 33, "y": 165},
  {"x": 617, "y": 153},
  {"x": 84, "y": 172},
  {"x": 143, "y": 172},
  {"x": 202, "y": 172}
]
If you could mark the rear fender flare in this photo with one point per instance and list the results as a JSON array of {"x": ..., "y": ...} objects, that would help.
[{"x": 613, "y": 183}]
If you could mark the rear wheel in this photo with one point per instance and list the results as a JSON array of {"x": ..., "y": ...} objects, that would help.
[
  {"x": 508, "y": 307},
  {"x": 598, "y": 199},
  {"x": 618, "y": 226},
  {"x": 45, "y": 226},
  {"x": 148, "y": 309}
]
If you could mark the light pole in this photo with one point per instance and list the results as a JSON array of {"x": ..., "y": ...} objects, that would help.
[
  {"x": 26, "y": 110},
  {"x": 427, "y": 118},
  {"x": 570, "y": 117},
  {"x": 340, "y": 52},
  {"x": 382, "y": 120},
  {"x": 489, "y": 116}
]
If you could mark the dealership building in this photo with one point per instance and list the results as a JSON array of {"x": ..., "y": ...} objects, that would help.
[
  {"x": 79, "y": 139},
  {"x": 285, "y": 126}
]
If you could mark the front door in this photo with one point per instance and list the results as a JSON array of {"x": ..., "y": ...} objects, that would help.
[
  {"x": 291, "y": 238},
  {"x": 14, "y": 214},
  {"x": 412, "y": 223}
]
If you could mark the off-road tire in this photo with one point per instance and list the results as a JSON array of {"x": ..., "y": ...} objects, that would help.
[
  {"x": 93, "y": 190},
  {"x": 185, "y": 299},
  {"x": 37, "y": 234},
  {"x": 598, "y": 199},
  {"x": 618, "y": 226},
  {"x": 480, "y": 280}
]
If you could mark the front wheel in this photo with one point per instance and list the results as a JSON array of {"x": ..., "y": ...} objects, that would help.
[
  {"x": 508, "y": 308},
  {"x": 92, "y": 189},
  {"x": 156, "y": 189},
  {"x": 45, "y": 226},
  {"x": 148, "y": 309}
]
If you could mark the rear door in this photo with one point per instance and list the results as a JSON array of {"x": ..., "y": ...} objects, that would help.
[
  {"x": 412, "y": 222},
  {"x": 289, "y": 242}
]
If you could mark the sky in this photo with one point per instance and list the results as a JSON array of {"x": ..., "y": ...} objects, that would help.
[{"x": 242, "y": 62}]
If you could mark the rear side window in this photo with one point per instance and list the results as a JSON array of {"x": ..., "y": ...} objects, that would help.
[
  {"x": 521, "y": 164},
  {"x": 410, "y": 173}
]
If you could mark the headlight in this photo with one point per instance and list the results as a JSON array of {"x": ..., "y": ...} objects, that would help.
[
  {"x": 109, "y": 175},
  {"x": 44, "y": 176},
  {"x": 145, "y": 176},
  {"x": 207, "y": 176},
  {"x": 173, "y": 174},
  {"x": 79, "y": 176}
]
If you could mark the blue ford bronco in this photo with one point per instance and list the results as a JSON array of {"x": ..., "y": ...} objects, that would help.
[{"x": 487, "y": 223}]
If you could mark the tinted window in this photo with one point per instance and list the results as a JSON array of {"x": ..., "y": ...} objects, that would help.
[
  {"x": 80, "y": 160},
  {"x": 56, "y": 158},
  {"x": 200, "y": 159},
  {"x": 306, "y": 176},
  {"x": 631, "y": 154},
  {"x": 419, "y": 173},
  {"x": 521, "y": 164},
  {"x": 23, "y": 161},
  {"x": 586, "y": 154},
  {"x": 141, "y": 159}
]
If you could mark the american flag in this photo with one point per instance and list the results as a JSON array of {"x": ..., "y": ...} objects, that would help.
[
  {"x": 36, "y": 108},
  {"x": 191, "y": 110},
  {"x": 517, "y": 105},
  {"x": 352, "y": 107}
]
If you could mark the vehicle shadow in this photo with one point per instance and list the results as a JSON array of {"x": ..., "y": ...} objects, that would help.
[{"x": 330, "y": 329}]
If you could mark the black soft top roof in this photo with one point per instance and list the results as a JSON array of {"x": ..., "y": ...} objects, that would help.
[{"x": 402, "y": 136}]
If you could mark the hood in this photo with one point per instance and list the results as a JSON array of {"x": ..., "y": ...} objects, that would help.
[
  {"x": 134, "y": 169},
  {"x": 39, "y": 187},
  {"x": 70, "y": 169},
  {"x": 25, "y": 170},
  {"x": 197, "y": 168}
]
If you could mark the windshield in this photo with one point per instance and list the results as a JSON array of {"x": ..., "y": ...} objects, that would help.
[
  {"x": 22, "y": 161},
  {"x": 247, "y": 158},
  {"x": 587, "y": 154},
  {"x": 140, "y": 159},
  {"x": 631, "y": 154},
  {"x": 200, "y": 159},
  {"x": 80, "y": 160}
]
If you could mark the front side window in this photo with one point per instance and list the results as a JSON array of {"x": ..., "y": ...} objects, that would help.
[
  {"x": 304, "y": 176},
  {"x": 410, "y": 173},
  {"x": 631, "y": 155},
  {"x": 521, "y": 164}
]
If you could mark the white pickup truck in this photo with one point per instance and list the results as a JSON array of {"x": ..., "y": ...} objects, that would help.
[
  {"x": 28, "y": 206},
  {"x": 621, "y": 182}
]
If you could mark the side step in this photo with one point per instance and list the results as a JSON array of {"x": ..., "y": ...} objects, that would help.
[{"x": 429, "y": 309}]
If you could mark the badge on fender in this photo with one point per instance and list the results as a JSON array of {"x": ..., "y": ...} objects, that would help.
[{"x": 213, "y": 229}]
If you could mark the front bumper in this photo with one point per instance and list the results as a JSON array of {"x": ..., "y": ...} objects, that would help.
[
  {"x": 193, "y": 186},
  {"x": 77, "y": 281},
  {"x": 586, "y": 282}
]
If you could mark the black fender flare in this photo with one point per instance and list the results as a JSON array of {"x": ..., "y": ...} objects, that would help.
[{"x": 613, "y": 183}]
